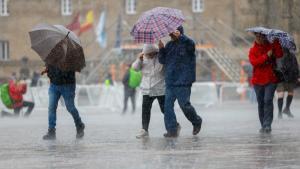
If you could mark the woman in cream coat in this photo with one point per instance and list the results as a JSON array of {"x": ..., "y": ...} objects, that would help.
[{"x": 152, "y": 85}]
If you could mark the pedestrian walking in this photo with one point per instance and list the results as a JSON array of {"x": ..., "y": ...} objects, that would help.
[
  {"x": 290, "y": 68},
  {"x": 63, "y": 55},
  {"x": 262, "y": 56},
  {"x": 130, "y": 82},
  {"x": 152, "y": 85},
  {"x": 179, "y": 59},
  {"x": 62, "y": 84}
]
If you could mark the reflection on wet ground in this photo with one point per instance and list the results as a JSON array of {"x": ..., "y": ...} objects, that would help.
[{"x": 229, "y": 140}]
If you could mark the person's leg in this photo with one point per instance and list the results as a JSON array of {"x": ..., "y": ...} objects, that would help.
[
  {"x": 126, "y": 96},
  {"x": 17, "y": 111},
  {"x": 183, "y": 96},
  {"x": 68, "y": 93},
  {"x": 280, "y": 95},
  {"x": 146, "y": 111},
  {"x": 260, "y": 94},
  {"x": 268, "y": 106},
  {"x": 30, "y": 106},
  {"x": 289, "y": 99},
  {"x": 132, "y": 97},
  {"x": 169, "y": 116},
  {"x": 161, "y": 102},
  {"x": 54, "y": 96}
]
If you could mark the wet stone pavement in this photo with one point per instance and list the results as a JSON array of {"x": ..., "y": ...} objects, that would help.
[{"x": 229, "y": 140}]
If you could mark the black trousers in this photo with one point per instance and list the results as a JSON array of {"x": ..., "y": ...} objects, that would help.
[
  {"x": 127, "y": 95},
  {"x": 146, "y": 108},
  {"x": 29, "y": 105}
]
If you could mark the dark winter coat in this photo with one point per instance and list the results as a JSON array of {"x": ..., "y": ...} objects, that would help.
[
  {"x": 288, "y": 65},
  {"x": 58, "y": 77},
  {"x": 180, "y": 61}
]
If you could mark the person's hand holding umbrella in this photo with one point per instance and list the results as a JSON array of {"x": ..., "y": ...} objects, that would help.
[
  {"x": 161, "y": 44},
  {"x": 270, "y": 53},
  {"x": 141, "y": 56}
]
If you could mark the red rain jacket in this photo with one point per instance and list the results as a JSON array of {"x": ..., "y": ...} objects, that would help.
[
  {"x": 16, "y": 92},
  {"x": 262, "y": 67}
]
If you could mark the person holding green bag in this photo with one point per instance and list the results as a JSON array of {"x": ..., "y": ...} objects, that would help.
[{"x": 131, "y": 81}]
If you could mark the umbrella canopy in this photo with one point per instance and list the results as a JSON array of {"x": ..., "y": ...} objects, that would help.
[
  {"x": 57, "y": 46},
  {"x": 285, "y": 39},
  {"x": 156, "y": 24}
]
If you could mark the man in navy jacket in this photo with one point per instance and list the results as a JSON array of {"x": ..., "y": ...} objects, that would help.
[{"x": 179, "y": 59}]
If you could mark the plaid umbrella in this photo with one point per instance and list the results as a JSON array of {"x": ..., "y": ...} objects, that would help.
[
  {"x": 285, "y": 39},
  {"x": 156, "y": 24},
  {"x": 57, "y": 46}
]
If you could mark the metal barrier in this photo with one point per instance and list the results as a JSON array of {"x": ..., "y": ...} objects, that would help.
[{"x": 111, "y": 97}]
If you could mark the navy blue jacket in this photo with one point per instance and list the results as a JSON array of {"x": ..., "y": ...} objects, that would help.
[{"x": 180, "y": 62}]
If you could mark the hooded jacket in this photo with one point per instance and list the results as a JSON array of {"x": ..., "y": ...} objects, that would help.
[
  {"x": 179, "y": 60},
  {"x": 262, "y": 65},
  {"x": 153, "y": 81}
]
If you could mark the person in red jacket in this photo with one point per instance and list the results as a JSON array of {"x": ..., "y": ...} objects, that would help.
[
  {"x": 16, "y": 92},
  {"x": 262, "y": 56}
]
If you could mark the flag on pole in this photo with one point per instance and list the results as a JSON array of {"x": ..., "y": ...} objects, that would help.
[
  {"x": 88, "y": 24},
  {"x": 100, "y": 30},
  {"x": 75, "y": 24}
]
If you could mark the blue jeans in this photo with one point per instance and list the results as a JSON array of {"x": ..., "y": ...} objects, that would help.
[
  {"x": 68, "y": 93},
  {"x": 182, "y": 94},
  {"x": 265, "y": 95}
]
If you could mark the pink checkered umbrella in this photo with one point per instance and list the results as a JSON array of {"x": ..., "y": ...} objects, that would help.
[{"x": 156, "y": 24}]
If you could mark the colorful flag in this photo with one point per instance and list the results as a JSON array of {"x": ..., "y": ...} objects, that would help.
[
  {"x": 75, "y": 24},
  {"x": 100, "y": 30},
  {"x": 89, "y": 21}
]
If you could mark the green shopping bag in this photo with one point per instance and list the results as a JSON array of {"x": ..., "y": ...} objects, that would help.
[
  {"x": 135, "y": 78},
  {"x": 5, "y": 97}
]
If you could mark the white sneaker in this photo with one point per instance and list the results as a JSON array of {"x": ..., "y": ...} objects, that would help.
[{"x": 143, "y": 133}]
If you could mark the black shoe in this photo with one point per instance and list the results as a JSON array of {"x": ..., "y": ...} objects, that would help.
[
  {"x": 51, "y": 135},
  {"x": 279, "y": 115},
  {"x": 197, "y": 128},
  {"x": 80, "y": 130},
  {"x": 288, "y": 113},
  {"x": 170, "y": 135},
  {"x": 268, "y": 130}
]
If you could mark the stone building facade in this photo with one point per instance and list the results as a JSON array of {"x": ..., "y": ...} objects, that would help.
[{"x": 216, "y": 22}]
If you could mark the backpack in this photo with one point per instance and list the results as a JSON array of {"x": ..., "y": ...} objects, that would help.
[
  {"x": 135, "y": 78},
  {"x": 287, "y": 69},
  {"x": 5, "y": 97}
]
